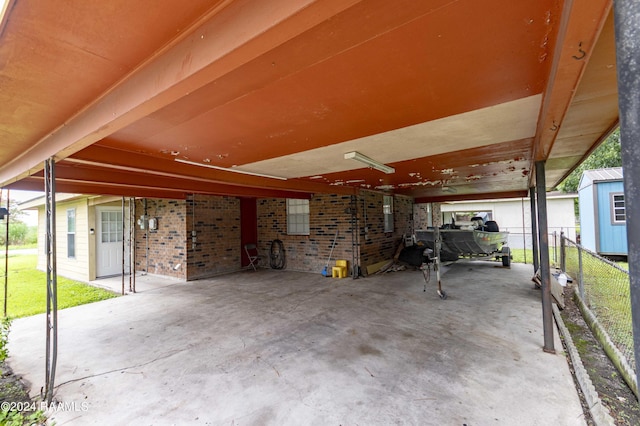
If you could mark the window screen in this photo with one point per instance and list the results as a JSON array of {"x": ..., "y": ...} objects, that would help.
[
  {"x": 297, "y": 217},
  {"x": 618, "y": 208},
  {"x": 387, "y": 210},
  {"x": 71, "y": 233}
]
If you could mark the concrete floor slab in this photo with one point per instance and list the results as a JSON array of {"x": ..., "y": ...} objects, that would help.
[
  {"x": 274, "y": 347},
  {"x": 141, "y": 283}
]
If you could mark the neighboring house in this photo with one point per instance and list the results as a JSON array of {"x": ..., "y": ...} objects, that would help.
[
  {"x": 89, "y": 235},
  {"x": 514, "y": 215},
  {"x": 603, "y": 224}
]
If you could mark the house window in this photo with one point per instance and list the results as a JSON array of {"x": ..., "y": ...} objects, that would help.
[
  {"x": 617, "y": 209},
  {"x": 387, "y": 210},
  {"x": 71, "y": 233},
  {"x": 297, "y": 217}
]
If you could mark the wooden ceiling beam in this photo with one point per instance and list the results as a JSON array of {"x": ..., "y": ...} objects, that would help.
[
  {"x": 233, "y": 34},
  {"x": 578, "y": 31},
  {"x": 468, "y": 197},
  {"x": 144, "y": 165}
]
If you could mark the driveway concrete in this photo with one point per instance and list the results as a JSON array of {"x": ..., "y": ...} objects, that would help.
[{"x": 274, "y": 347}]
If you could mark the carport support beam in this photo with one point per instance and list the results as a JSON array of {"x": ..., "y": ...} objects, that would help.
[
  {"x": 534, "y": 230},
  {"x": 545, "y": 269},
  {"x": 124, "y": 240},
  {"x": 51, "y": 339},
  {"x": 627, "y": 30},
  {"x": 6, "y": 253}
]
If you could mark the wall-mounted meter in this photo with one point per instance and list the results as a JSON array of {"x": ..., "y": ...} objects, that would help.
[
  {"x": 146, "y": 222},
  {"x": 143, "y": 222}
]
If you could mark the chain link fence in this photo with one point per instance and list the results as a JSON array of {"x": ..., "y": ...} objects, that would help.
[
  {"x": 604, "y": 289},
  {"x": 520, "y": 239}
]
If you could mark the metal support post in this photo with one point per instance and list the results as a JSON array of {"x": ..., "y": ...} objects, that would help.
[
  {"x": 146, "y": 238},
  {"x": 581, "y": 276},
  {"x": 437, "y": 245},
  {"x": 52, "y": 279},
  {"x": 534, "y": 230},
  {"x": 627, "y": 31},
  {"x": 355, "y": 238},
  {"x": 563, "y": 253},
  {"x": 132, "y": 245},
  {"x": 6, "y": 256},
  {"x": 524, "y": 231},
  {"x": 124, "y": 241},
  {"x": 545, "y": 269}
]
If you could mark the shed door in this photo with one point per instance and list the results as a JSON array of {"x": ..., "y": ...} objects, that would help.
[{"x": 109, "y": 242}]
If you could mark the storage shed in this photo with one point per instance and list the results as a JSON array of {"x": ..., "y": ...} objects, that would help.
[{"x": 603, "y": 224}]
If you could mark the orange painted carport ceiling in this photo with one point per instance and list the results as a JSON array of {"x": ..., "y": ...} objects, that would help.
[{"x": 250, "y": 98}]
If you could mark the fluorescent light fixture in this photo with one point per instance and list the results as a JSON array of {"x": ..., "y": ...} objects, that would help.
[
  {"x": 369, "y": 162},
  {"x": 229, "y": 169}
]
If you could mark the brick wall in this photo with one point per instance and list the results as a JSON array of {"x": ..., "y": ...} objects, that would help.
[
  {"x": 171, "y": 252},
  {"x": 328, "y": 214},
  {"x": 307, "y": 252},
  {"x": 377, "y": 245},
  {"x": 216, "y": 221},
  {"x": 167, "y": 246},
  {"x": 421, "y": 213},
  {"x": 437, "y": 214}
]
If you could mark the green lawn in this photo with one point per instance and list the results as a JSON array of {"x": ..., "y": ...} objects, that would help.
[
  {"x": 27, "y": 289},
  {"x": 520, "y": 255}
]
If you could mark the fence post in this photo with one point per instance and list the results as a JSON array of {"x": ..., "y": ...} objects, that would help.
[
  {"x": 563, "y": 258},
  {"x": 581, "y": 276}
]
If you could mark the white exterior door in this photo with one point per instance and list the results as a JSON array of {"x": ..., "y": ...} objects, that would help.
[{"x": 108, "y": 241}]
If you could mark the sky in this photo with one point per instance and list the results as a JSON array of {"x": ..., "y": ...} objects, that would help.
[{"x": 31, "y": 216}]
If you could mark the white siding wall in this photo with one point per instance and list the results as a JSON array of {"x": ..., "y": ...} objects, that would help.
[{"x": 76, "y": 268}]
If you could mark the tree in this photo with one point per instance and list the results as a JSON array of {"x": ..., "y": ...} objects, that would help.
[
  {"x": 19, "y": 232},
  {"x": 606, "y": 155}
]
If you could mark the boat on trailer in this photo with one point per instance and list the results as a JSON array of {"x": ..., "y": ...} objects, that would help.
[
  {"x": 470, "y": 244},
  {"x": 450, "y": 243}
]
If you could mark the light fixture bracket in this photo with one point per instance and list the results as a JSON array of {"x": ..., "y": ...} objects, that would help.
[{"x": 355, "y": 155}]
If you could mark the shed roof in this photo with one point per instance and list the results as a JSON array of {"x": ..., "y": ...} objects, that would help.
[{"x": 609, "y": 174}]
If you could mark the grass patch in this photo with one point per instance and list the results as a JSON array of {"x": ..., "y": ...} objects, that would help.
[
  {"x": 519, "y": 255},
  {"x": 607, "y": 294},
  {"x": 577, "y": 331},
  {"x": 21, "y": 247},
  {"x": 526, "y": 256},
  {"x": 27, "y": 289}
]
